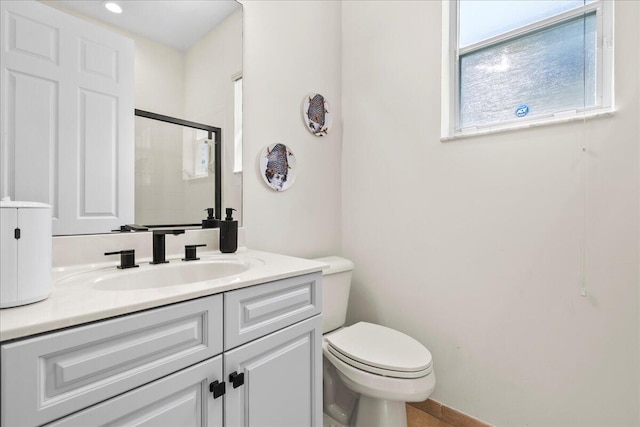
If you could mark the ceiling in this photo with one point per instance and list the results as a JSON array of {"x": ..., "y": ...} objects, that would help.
[{"x": 176, "y": 23}]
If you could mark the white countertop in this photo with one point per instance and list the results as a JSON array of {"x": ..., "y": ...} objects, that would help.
[{"x": 72, "y": 304}]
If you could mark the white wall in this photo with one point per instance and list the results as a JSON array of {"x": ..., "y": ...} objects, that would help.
[
  {"x": 474, "y": 246},
  {"x": 292, "y": 48},
  {"x": 160, "y": 73},
  {"x": 211, "y": 65}
]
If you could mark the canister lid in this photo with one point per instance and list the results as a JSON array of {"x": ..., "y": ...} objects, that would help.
[{"x": 6, "y": 202}]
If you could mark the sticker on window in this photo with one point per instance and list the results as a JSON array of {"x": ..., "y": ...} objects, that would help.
[{"x": 522, "y": 110}]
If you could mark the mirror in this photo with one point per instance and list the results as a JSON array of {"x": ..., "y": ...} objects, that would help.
[{"x": 188, "y": 65}]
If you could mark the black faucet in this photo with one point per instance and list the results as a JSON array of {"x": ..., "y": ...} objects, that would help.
[{"x": 158, "y": 245}]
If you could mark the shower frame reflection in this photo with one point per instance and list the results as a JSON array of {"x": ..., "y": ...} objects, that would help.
[{"x": 217, "y": 153}]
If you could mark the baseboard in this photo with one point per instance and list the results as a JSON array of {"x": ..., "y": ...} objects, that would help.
[{"x": 447, "y": 414}]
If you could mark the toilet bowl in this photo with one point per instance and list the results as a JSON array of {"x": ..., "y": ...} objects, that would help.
[{"x": 370, "y": 371}]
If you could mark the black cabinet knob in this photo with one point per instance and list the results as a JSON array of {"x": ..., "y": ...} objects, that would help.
[
  {"x": 217, "y": 388},
  {"x": 236, "y": 379}
]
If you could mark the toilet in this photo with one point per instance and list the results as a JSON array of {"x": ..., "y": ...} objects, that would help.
[{"x": 369, "y": 371}]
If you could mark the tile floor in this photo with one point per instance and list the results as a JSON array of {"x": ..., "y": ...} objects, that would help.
[{"x": 418, "y": 418}]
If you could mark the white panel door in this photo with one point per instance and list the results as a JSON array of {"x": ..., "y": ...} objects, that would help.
[
  {"x": 67, "y": 117},
  {"x": 282, "y": 385}
]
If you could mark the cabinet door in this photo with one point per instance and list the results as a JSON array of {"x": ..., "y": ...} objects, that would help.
[
  {"x": 179, "y": 400},
  {"x": 282, "y": 379}
]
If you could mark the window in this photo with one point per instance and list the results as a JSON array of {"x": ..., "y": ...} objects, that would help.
[
  {"x": 237, "y": 125},
  {"x": 524, "y": 62}
]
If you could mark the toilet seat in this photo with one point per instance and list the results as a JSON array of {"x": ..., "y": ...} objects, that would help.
[
  {"x": 380, "y": 350},
  {"x": 379, "y": 386}
]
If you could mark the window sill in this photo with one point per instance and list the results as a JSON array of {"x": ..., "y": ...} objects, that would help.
[{"x": 540, "y": 122}]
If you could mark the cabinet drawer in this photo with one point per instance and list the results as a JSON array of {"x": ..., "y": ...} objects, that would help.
[
  {"x": 47, "y": 377},
  {"x": 256, "y": 311},
  {"x": 179, "y": 400}
]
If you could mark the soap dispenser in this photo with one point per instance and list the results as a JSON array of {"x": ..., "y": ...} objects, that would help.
[
  {"x": 229, "y": 233},
  {"x": 210, "y": 221}
]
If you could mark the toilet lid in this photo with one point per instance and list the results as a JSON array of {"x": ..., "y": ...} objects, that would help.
[{"x": 382, "y": 349}]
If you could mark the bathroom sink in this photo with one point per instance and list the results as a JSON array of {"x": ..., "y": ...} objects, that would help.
[{"x": 175, "y": 273}]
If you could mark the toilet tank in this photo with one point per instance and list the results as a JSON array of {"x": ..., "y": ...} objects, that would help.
[{"x": 336, "y": 282}]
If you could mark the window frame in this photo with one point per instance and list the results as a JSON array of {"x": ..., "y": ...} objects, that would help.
[
  {"x": 451, "y": 69},
  {"x": 237, "y": 122}
]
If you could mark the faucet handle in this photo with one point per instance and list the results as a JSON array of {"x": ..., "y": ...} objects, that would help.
[
  {"x": 174, "y": 231},
  {"x": 127, "y": 258},
  {"x": 131, "y": 227},
  {"x": 190, "y": 252}
]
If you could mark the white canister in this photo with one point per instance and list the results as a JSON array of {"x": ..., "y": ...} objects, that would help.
[{"x": 25, "y": 252}]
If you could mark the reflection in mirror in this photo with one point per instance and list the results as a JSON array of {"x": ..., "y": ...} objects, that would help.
[
  {"x": 178, "y": 172},
  {"x": 188, "y": 69}
]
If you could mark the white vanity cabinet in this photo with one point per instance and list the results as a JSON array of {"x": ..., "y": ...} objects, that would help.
[
  {"x": 258, "y": 348},
  {"x": 282, "y": 371}
]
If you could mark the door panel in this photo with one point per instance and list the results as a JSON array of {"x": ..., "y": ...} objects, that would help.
[
  {"x": 32, "y": 158},
  {"x": 98, "y": 150}
]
